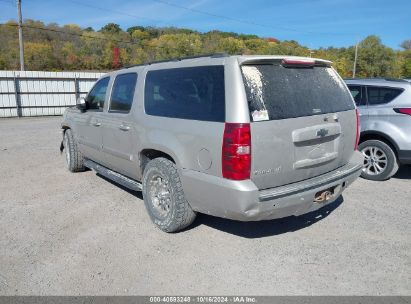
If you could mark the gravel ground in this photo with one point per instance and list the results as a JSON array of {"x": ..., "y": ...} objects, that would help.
[{"x": 79, "y": 234}]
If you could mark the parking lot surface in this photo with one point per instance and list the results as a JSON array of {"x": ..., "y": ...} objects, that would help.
[{"x": 79, "y": 234}]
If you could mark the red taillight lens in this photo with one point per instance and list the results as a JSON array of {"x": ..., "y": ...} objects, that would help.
[
  {"x": 403, "y": 110},
  {"x": 357, "y": 134},
  {"x": 298, "y": 62},
  {"x": 236, "y": 151}
]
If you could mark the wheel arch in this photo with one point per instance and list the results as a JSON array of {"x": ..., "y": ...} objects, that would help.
[
  {"x": 376, "y": 135},
  {"x": 64, "y": 128},
  {"x": 149, "y": 154}
]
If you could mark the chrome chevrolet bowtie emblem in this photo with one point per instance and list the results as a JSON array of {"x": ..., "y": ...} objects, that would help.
[{"x": 322, "y": 132}]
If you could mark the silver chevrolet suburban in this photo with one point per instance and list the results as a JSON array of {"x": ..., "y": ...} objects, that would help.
[{"x": 242, "y": 137}]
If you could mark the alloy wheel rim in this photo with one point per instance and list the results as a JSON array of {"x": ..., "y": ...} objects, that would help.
[
  {"x": 160, "y": 194},
  {"x": 375, "y": 160}
]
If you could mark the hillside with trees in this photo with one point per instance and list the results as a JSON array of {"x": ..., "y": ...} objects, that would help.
[{"x": 62, "y": 48}]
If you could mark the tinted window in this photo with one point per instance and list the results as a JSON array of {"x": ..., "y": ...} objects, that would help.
[
  {"x": 123, "y": 92},
  {"x": 378, "y": 95},
  {"x": 190, "y": 93},
  {"x": 356, "y": 93},
  {"x": 277, "y": 92},
  {"x": 97, "y": 96}
]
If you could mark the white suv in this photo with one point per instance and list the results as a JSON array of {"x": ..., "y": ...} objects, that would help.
[{"x": 385, "y": 115}]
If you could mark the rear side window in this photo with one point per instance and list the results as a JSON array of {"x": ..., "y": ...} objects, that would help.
[
  {"x": 189, "y": 93},
  {"x": 356, "y": 92},
  {"x": 96, "y": 97},
  {"x": 278, "y": 92},
  {"x": 123, "y": 93},
  {"x": 379, "y": 95}
]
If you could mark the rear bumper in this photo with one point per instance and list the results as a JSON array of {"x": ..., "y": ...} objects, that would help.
[
  {"x": 241, "y": 200},
  {"x": 404, "y": 157}
]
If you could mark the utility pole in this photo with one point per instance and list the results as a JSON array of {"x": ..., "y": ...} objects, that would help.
[
  {"x": 20, "y": 19},
  {"x": 355, "y": 60}
]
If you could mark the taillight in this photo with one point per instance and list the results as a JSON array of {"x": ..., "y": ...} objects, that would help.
[
  {"x": 236, "y": 151},
  {"x": 357, "y": 133},
  {"x": 403, "y": 110}
]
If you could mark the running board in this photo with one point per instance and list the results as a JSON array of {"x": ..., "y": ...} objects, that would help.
[{"x": 114, "y": 176}]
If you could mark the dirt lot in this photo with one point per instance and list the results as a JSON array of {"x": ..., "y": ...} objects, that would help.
[{"x": 79, "y": 234}]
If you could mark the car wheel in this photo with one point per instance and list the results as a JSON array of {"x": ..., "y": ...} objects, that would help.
[
  {"x": 380, "y": 161},
  {"x": 74, "y": 158},
  {"x": 164, "y": 197}
]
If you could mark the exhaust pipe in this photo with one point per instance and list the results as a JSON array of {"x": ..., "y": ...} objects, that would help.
[{"x": 323, "y": 196}]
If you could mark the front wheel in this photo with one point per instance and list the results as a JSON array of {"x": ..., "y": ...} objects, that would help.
[
  {"x": 164, "y": 196},
  {"x": 380, "y": 161},
  {"x": 74, "y": 158}
]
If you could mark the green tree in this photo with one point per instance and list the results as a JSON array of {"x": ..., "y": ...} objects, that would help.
[
  {"x": 231, "y": 45},
  {"x": 375, "y": 59},
  {"x": 139, "y": 35},
  {"x": 130, "y": 30},
  {"x": 406, "y": 64},
  {"x": 68, "y": 47},
  {"x": 175, "y": 45},
  {"x": 39, "y": 56},
  {"x": 111, "y": 28},
  {"x": 70, "y": 57},
  {"x": 406, "y": 44}
]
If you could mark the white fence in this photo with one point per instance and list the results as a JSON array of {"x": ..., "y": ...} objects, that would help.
[{"x": 32, "y": 93}]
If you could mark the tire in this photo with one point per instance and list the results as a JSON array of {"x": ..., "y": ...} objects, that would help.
[
  {"x": 164, "y": 197},
  {"x": 380, "y": 161},
  {"x": 74, "y": 158}
]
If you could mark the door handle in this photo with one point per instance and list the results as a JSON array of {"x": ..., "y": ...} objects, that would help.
[
  {"x": 97, "y": 124},
  {"x": 124, "y": 128}
]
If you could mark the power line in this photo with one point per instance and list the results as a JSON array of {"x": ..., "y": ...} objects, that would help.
[
  {"x": 10, "y": 2},
  {"x": 246, "y": 21},
  {"x": 137, "y": 17},
  {"x": 114, "y": 11},
  {"x": 80, "y": 35},
  {"x": 68, "y": 33},
  {"x": 164, "y": 2},
  {"x": 91, "y": 37}
]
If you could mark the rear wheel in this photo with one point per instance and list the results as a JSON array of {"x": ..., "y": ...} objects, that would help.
[
  {"x": 74, "y": 158},
  {"x": 164, "y": 197},
  {"x": 380, "y": 161}
]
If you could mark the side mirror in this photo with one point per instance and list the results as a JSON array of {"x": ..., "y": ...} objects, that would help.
[{"x": 81, "y": 104}]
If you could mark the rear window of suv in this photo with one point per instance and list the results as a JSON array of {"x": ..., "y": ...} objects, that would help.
[
  {"x": 277, "y": 92},
  {"x": 381, "y": 95},
  {"x": 195, "y": 93}
]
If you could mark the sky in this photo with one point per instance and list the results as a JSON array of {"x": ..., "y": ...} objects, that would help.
[{"x": 313, "y": 23}]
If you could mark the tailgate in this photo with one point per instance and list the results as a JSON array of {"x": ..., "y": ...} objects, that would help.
[{"x": 303, "y": 122}]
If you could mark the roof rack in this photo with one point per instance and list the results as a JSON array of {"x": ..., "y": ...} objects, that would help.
[
  {"x": 395, "y": 79},
  {"x": 379, "y": 79},
  {"x": 213, "y": 55}
]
